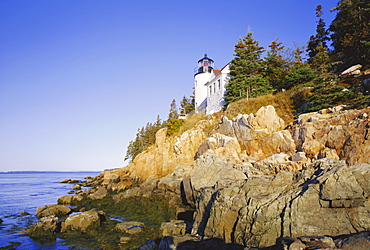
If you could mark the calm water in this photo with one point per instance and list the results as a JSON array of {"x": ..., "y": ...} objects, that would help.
[{"x": 26, "y": 191}]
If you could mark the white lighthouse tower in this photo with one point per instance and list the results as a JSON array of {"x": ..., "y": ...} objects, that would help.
[{"x": 202, "y": 75}]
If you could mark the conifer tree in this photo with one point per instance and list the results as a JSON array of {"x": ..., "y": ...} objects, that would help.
[
  {"x": 173, "y": 114},
  {"x": 186, "y": 105},
  {"x": 321, "y": 37},
  {"x": 317, "y": 47},
  {"x": 276, "y": 65},
  {"x": 351, "y": 32},
  {"x": 246, "y": 71}
]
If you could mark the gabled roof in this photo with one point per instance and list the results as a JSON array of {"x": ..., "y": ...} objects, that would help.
[{"x": 216, "y": 71}]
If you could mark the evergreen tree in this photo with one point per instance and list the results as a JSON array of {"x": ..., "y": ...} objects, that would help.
[
  {"x": 173, "y": 114},
  {"x": 276, "y": 65},
  {"x": 321, "y": 37},
  {"x": 351, "y": 31},
  {"x": 186, "y": 105},
  {"x": 246, "y": 71},
  {"x": 317, "y": 47},
  {"x": 145, "y": 137}
]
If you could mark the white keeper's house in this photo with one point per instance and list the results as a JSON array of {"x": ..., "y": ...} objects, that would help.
[{"x": 209, "y": 86}]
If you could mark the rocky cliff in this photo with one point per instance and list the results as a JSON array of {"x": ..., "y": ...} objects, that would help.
[
  {"x": 263, "y": 137},
  {"x": 253, "y": 179}
]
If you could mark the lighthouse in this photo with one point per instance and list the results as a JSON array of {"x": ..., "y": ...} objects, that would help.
[{"x": 202, "y": 75}]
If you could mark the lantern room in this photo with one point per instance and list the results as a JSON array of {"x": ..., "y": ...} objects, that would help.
[{"x": 205, "y": 65}]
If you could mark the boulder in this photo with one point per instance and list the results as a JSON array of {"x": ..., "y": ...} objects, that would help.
[
  {"x": 353, "y": 70},
  {"x": 54, "y": 209},
  {"x": 99, "y": 194},
  {"x": 173, "y": 228},
  {"x": 45, "y": 228},
  {"x": 69, "y": 199},
  {"x": 85, "y": 221},
  {"x": 76, "y": 187},
  {"x": 130, "y": 227}
]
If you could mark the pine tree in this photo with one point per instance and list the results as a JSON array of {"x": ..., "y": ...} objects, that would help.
[
  {"x": 317, "y": 47},
  {"x": 351, "y": 32},
  {"x": 186, "y": 105},
  {"x": 173, "y": 114},
  {"x": 246, "y": 71},
  {"x": 145, "y": 137},
  {"x": 276, "y": 65},
  {"x": 321, "y": 37}
]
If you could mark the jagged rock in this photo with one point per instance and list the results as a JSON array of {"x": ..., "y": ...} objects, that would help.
[
  {"x": 44, "y": 228},
  {"x": 341, "y": 134},
  {"x": 100, "y": 193},
  {"x": 327, "y": 198},
  {"x": 69, "y": 199},
  {"x": 82, "y": 222},
  {"x": 161, "y": 159},
  {"x": 260, "y": 135},
  {"x": 173, "y": 228},
  {"x": 220, "y": 145},
  {"x": 130, "y": 227},
  {"x": 54, "y": 209},
  {"x": 122, "y": 185}
]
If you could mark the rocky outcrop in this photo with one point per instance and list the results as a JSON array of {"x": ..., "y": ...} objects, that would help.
[
  {"x": 45, "y": 228},
  {"x": 54, "y": 209},
  {"x": 173, "y": 228},
  {"x": 162, "y": 158},
  {"x": 130, "y": 227},
  {"x": 82, "y": 222},
  {"x": 335, "y": 133},
  {"x": 328, "y": 198}
]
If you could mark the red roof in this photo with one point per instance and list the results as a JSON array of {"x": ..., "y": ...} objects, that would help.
[{"x": 216, "y": 71}]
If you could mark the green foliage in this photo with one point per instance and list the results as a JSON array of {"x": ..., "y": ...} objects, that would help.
[
  {"x": 351, "y": 32},
  {"x": 330, "y": 93},
  {"x": 322, "y": 35},
  {"x": 298, "y": 74},
  {"x": 174, "y": 125},
  {"x": 173, "y": 114},
  {"x": 276, "y": 65},
  {"x": 186, "y": 105},
  {"x": 317, "y": 48},
  {"x": 145, "y": 137},
  {"x": 246, "y": 70}
]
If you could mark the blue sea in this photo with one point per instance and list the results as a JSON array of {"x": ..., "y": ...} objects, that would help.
[{"x": 26, "y": 191}]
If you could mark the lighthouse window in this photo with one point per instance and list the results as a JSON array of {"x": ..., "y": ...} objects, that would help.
[
  {"x": 210, "y": 90},
  {"x": 219, "y": 84}
]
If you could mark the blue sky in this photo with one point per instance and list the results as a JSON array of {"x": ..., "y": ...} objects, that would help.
[{"x": 79, "y": 77}]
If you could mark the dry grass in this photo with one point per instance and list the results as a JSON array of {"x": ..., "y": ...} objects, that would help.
[{"x": 281, "y": 101}]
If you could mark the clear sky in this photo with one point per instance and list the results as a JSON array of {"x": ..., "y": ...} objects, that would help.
[{"x": 79, "y": 77}]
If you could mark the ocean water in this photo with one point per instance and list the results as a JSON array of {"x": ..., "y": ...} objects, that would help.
[{"x": 26, "y": 191}]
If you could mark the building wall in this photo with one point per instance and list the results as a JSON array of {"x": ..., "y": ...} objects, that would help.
[{"x": 216, "y": 90}]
